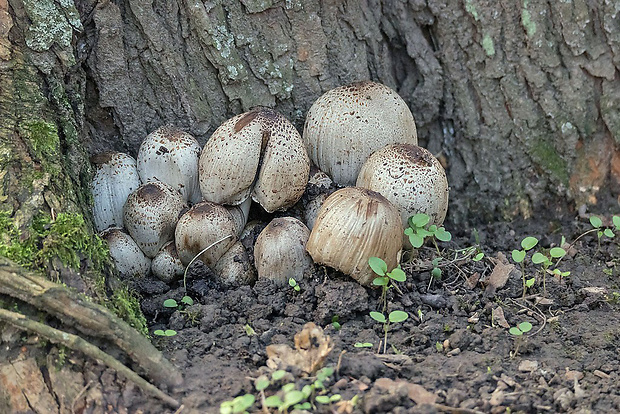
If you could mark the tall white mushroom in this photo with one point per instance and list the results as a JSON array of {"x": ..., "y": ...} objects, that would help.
[
  {"x": 353, "y": 225},
  {"x": 171, "y": 155},
  {"x": 258, "y": 153},
  {"x": 150, "y": 215},
  {"x": 128, "y": 258},
  {"x": 347, "y": 124},
  {"x": 115, "y": 178},
  {"x": 411, "y": 178}
]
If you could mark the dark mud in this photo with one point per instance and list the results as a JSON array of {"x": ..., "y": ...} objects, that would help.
[{"x": 453, "y": 345}]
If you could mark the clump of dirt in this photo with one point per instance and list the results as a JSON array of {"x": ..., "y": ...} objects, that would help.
[{"x": 453, "y": 354}]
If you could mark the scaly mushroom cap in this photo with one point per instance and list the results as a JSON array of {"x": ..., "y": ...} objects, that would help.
[
  {"x": 129, "y": 259},
  {"x": 280, "y": 251},
  {"x": 347, "y": 124},
  {"x": 411, "y": 178},
  {"x": 116, "y": 177},
  {"x": 234, "y": 267},
  {"x": 150, "y": 215},
  {"x": 262, "y": 138},
  {"x": 200, "y": 226},
  {"x": 166, "y": 265},
  {"x": 171, "y": 155},
  {"x": 353, "y": 225}
]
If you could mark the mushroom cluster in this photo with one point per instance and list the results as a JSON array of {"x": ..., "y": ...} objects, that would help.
[{"x": 178, "y": 203}]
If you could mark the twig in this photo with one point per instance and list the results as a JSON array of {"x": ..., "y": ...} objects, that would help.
[
  {"x": 75, "y": 342},
  {"x": 77, "y": 397}
]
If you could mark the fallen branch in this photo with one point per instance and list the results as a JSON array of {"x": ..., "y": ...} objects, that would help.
[
  {"x": 76, "y": 343},
  {"x": 87, "y": 317}
]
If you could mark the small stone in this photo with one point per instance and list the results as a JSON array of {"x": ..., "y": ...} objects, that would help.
[
  {"x": 601, "y": 374},
  {"x": 528, "y": 366}
]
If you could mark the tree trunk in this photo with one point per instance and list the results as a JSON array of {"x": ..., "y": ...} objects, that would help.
[{"x": 518, "y": 99}]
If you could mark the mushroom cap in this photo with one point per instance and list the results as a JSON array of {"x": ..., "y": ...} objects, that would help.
[
  {"x": 353, "y": 225},
  {"x": 234, "y": 267},
  {"x": 171, "y": 155},
  {"x": 166, "y": 265},
  {"x": 259, "y": 153},
  {"x": 115, "y": 178},
  {"x": 312, "y": 209},
  {"x": 280, "y": 250},
  {"x": 347, "y": 124},
  {"x": 411, "y": 178},
  {"x": 200, "y": 226},
  {"x": 129, "y": 259},
  {"x": 150, "y": 215}
]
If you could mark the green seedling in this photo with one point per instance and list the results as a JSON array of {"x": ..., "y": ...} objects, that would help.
[
  {"x": 546, "y": 260},
  {"x": 517, "y": 332},
  {"x": 518, "y": 256},
  {"x": 239, "y": 405},
  {"x": 336, "y": 323},
  {"x": 293, "y": 283},
  {"x": 185, "y": 301},
  {"x": 363, "y": 345},
  {"x": 419, "y": 230},
  {"x": 597, "y": 225},
  {"x": 396, "y": 316},
  {"x": 167, "y": 332},
  {"x": 384, "y": 278}
]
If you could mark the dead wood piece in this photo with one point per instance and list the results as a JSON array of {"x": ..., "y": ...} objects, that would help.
[
  {"x": 87, "y": 317},
  {"x": 75, "y": 342}
]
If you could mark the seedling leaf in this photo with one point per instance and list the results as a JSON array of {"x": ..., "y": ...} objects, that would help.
[
  {"x": 525, "y": 327},
  {"x": 596, "y": 222},
  {"x": 187, "y": 300},
  {"x": 170, "y": 332},
  {"x": 170, "y": 303},
  {"x": 518, "y": 255},
  {"x": 398, "y": 275},
  {"x": 398, "y": 316},
  {"x": 273, "y": 401},
  {"x": 378, "y": 266},
  {"x": 616, "y": 221},
  {"x": 292, "y": 282},
  {"x": 557, "y": 252},
  {"x": 443, "y": 235},
  {"x": 416, "y": 240},
  {"x": 436, "y": 273},
  {"x": 278, "y": 375},
  {"x": 539, "y": 258},
  {"x": 380, "y": 281},
  {"x": 529, "y": 243},
  {"x": 478, "y": 257},
  {"x": 362, "y": 345},
  {"x": 159, "y": 332},
  {"x": 378, "y": 316},
  {"x": 293, "y": 397},
  {"x": 530, "y": 282},
  {"x": 322, "y": 399},
  {"x": 608, "y": 233},
  {"x": 335, "y": 398},
  {"x": 515, "y": 331},
  {"x": 419, "y": 220},
  {"x": 261, "y": 383}
]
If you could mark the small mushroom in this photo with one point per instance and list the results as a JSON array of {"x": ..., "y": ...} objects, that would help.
[
  {"x": 347, "y": 124},
  {"x": 150, "y": 215},
  {"x": 171, "y": 155},
  {"x": 280, "y": 251},
  {"x": 258, "y": 153},
  {"x": 411, "y": 178},
  {"x": 240, "y": 214},
  {"x": 115, "y": 178},
  {"x": 353, "y": 225},
  {"x": 234, "y": 267},
  {"x": 166, "y": 265},
  {"x": 129, "y": 259},
  {"x": 205, "y": 224},
  {"x": 312, "y": 208}
]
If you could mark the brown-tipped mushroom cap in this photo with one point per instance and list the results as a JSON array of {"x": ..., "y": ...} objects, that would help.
[
  {"x": 201, "y": 226},
  {"x": 280, "y": 250},
  {"x": 353, "y": 225},
  {"x": 347, "y": 124},
  {"x": 129, "y": 259},
  {"x": 411, "y": 178},
  {"x": 166, "y": 265},
  {"x": 171, "y": 155},
  {"x": 234, "y": 267},
  {"x": 230, "y": 161},
  {"x": 116, "y": 177},
  {"x": 150, "y": 215}
]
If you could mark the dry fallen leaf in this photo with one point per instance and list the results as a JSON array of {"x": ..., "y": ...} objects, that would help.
[
  {"x": 416, "y": 393},
  {"x": 498, "y": 316},
  {"x": 311, "y": 348},
  {"x": 499, "y": 275}
]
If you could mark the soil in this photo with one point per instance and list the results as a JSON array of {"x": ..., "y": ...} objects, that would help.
[{"x": 455, "y": 344}]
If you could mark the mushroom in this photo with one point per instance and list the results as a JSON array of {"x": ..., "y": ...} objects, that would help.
[
  {"x": 234, "y": 267},
  {"x": 240, "y": 215},
  {"x": 115, "y": 178},
  {"x": 347, "y": 124},
  {"x": 166, "y": 265},
  {"x": 150, "y": 215},
  {"x": 353, "y": 225},
  {"x": 312, "y": 209},
  {"x": 280, "y": 251},
  {"x": 257, "y": 153},
  {"x": 171, "y": 155},
  {"x": 411, "y": 178},
  {"x": 129, "y": 259},
  {"x": 205, "y": 224}
]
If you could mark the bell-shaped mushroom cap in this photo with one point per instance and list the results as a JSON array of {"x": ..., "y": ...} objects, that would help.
[
  {"x": 171, "y": 155},
  {"x": 150, "y": 215},
  {"x": 353, "y": 225},
  {"x": 234, "y": 267},
  {"x": 116, "y": 177},
  {"x": 280, "y": 251},
  {"x": 262, "y": 138},
  {"x": 205, "y": 224},
  {"x": 347, "y": 124},
  {"x": 166, "y": 265},
  {"x": 411, "y": 178},
  {"x": 129, "y": 259}
]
